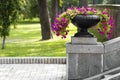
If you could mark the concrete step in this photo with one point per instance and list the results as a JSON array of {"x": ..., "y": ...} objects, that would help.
[
  {"x": 112, "y": 77},
  {"x": 113, "y": 74}
]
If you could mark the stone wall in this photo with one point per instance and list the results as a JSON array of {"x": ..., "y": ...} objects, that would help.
[{"x": 112, "y": 54}]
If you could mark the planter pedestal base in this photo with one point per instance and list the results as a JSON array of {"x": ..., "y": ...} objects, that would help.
[
  {"x": 83, "y": 34},
  {"x": 84, "y": 58}
]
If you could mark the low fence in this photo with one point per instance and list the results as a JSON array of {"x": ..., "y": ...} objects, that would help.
[{"x": 32, "y": 60}]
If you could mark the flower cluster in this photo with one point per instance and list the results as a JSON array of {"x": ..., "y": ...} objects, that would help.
[
  {"x": 59, "y": 27},
  {"x": 104, "y": 27}
]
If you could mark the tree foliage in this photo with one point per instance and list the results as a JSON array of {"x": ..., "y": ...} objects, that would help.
[
  {"x": 97, "y": 1},
  {"x": 83, "y": 3},
  {"x": 28, "y": 9},
  {"x": 8, "y": 15},
  {"x": 70, "y": 3}
]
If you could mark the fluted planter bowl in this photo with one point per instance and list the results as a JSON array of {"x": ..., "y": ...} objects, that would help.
[{"x": 84, "y": 22}]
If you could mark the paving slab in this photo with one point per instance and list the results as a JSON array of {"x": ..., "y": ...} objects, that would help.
[{"x": 32, "y": 71}]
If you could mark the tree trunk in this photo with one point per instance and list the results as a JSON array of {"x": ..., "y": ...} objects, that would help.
[
  {"x": 44, "y": 20},
  {"x": 111, "y": 1},
  {"x": 55, "y": 9},
  {"x": 3, "y": 42},
  {"x": 97, "y": 1},
  {"x": 83, "y": 3},
  {"x": 94, "y": 1}
]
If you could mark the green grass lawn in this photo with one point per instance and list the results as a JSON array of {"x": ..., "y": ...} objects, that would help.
[{"x": 26, "y": 41}]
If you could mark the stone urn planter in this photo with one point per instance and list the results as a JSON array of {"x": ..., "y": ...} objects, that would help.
[
  {"x": 84, "y": 18},
  {"x": 84, "y": 22}
]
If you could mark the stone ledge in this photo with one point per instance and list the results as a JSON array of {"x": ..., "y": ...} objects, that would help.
[
  {"x": 74, "y": 48},
  {"x": 112, "y": 45},
  {"x": 115, "y": 6},
  {"x": 84, "y": 40}
]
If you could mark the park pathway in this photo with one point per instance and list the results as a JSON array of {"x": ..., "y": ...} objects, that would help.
[{"x": 32, "y": 72}]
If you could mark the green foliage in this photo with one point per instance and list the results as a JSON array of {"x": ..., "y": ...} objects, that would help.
[
  {"x": 28, "y": 9},
  {"x": 61, "y": 3},
  {"x": 90, "y": 1},
  {"x": 70, "y": 3},
  {"x": 8, "y": 15},
  {"x": 97, "y": 1}
]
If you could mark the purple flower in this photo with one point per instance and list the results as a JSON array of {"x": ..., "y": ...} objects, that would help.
[
  {"x": 64, "y": 22},
  {"x": 101, "y": 32},
  {"x": 58, "y": 25},
  {"x": 105, "y": 12}
]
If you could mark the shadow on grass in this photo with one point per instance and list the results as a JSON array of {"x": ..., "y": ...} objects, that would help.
[{"x": 28, "y": 22}]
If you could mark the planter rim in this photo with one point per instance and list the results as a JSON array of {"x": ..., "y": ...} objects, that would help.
[{"x": 114, "y": 5}]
